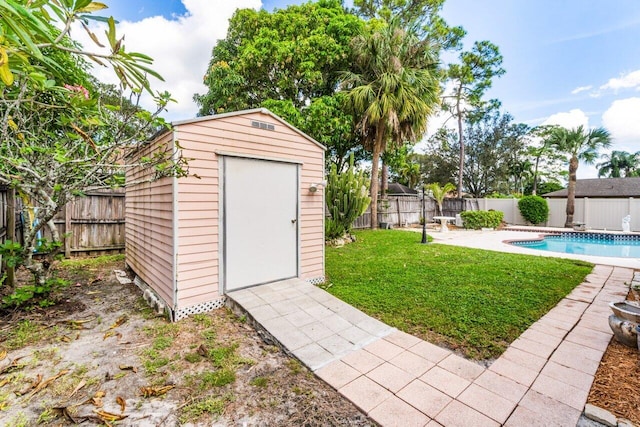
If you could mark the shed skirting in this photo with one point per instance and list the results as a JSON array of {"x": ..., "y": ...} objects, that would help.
[
  {"x": 204, "y": 307},
  {"x": 316, "y": 280}
]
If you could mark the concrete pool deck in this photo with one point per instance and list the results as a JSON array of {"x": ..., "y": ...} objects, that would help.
[{"x": 495, "y": 240}]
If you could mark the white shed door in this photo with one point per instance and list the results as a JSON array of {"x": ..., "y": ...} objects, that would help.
[{"x": 260, "y": 222}]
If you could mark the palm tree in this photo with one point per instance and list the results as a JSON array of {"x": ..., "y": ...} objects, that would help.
[
  {"x": 618, "y": 162},
  {"x": 439, "y": 193},
  {"x": 392, "y": 90},
  {"x": 410, "y": 174},
  {"x": 580, "y": 145}
]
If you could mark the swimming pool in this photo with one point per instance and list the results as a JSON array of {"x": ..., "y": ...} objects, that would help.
[{"x": 594, "y": 244}]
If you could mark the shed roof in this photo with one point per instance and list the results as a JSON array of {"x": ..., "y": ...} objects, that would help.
[
  {"x": 247, "y": 112},
  {"x": 602, "y": 187},
  {"x": 396, "y": 189}
]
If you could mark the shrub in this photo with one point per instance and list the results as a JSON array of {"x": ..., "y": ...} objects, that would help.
[
  {"x": 481, "y": 219},
  {"x": 534, "y": 209},
  {"x": 347, "y": 198}
]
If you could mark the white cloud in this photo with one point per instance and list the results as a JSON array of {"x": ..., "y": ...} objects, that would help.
[
  {"x": 622, "y": 119},
  {"x": 625, "y": 81},
  {"x": 181, "y": 48},
  {"x": 581, "y": 89},
  {"x": 569, "y": 120}
]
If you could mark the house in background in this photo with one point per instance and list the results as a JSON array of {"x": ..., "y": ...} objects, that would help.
[
  {"x": 250, "y": 212},
  {"x": 600, "y": 203},
  {"x": 602, "y": 188}
]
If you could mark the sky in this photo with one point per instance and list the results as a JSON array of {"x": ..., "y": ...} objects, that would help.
[{"x": 567, "y": 62}]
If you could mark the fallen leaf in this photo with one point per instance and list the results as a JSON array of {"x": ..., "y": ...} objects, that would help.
[
  {"x": 119, "y": 321},
  {"x": 155, "y": 391},
  {"x": 108, "y": 334},
  {"x": 4, "y": 382},
  {"x": 108, "y": 416},
  {"x": 120, "y": 401},
  {"x": 13, "y": 366},
  {"x": 78, "y": 387},
  {"x": 31, "y": 386},
  {"x": 46, "y": 382},
  {"x": 3, "y": 354},
  {"x": 65, "y": 338},
  {"x": 100, "y": 393},
  {"x": 128, "y": 368}
]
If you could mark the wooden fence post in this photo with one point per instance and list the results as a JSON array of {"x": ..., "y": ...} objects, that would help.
[
  {"x": 398, "y": 208},
  {"x": 68, "y": 211}
]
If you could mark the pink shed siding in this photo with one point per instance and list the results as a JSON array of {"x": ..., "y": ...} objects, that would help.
[
  {"x": 149, "y": 226},
  {"x": 198, "y": 198}
]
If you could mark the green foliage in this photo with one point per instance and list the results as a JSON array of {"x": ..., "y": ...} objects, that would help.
[
  {"x": 11, "y": 253},
  {"x": 291, "y": 54},
  {"x": 547, "y": 187},
  {"x": 392, "y": 89},
  {"x": 346, "y": 197},
  {"x": 217, "y": 378},
  {"x": 481, "y": 219},
  {"x": 208, "y": 406},
  {"x": 29, "y": 294},
  {"x": 534, "y": 209},
  {"x": 59, "y": 127},
  {"x": 439, "y": 193},
  {"x": 288, "y": 61},
  {"x": 475, "y": 301}
]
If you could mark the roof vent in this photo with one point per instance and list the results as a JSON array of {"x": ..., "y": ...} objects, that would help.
[{"x": 262, "y": 125}]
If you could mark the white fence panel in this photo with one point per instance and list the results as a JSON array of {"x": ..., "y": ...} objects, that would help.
[
  {"x": 597, "y": 214},
  {"x": 557, "y": 212}
]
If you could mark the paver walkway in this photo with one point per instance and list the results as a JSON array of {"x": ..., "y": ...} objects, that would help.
[{"x": 542, "y": 379}]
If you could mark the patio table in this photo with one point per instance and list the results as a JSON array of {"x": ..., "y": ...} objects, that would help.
[{"x": 443, "y": 222}]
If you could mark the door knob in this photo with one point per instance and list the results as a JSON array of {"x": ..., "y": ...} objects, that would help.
[{"x": 293, "y": 221}]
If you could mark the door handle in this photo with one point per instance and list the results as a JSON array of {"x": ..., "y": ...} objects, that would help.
[{"x": 293, "y": 221}]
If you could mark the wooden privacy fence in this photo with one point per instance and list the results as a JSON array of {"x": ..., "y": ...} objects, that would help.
[
  {"x": 406, "y": 210},
  {"x": 91, "y": 225}
]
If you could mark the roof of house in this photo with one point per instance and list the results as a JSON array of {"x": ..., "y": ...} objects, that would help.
[
  {"x": 396, "y": 189},
  {"x": 602, "y": 187}
]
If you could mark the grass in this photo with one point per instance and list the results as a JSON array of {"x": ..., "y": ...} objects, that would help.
[
  {"x": 472, "y": 300},
  {"x": 212, "y": 406},
  {"x": 93, "y": 262},
  {"x": 26, "y": 333}
]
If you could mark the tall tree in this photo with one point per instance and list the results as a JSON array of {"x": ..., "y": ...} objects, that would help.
[
  {"x": 580, "y": 145},
  {"x": 291, "y": 56},
  {"x": 61, "y": 132},
  {"x": 546, "y": 159},
  {"x": 618, "y": 164},
  {"x": 392, "y": 90},
  {"x": 471, "y": 77}
]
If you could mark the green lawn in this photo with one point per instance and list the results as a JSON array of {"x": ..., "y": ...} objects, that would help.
[{"x": 472, "y": 300}]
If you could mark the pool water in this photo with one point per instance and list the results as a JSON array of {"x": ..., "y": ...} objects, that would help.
[{"x": 594, "y": 244}]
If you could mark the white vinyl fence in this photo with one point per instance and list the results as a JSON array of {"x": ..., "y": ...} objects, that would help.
[{"x": 597, "y": 214}]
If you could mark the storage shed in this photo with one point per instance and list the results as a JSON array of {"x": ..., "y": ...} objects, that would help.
[{"x": 250, "y": 212}]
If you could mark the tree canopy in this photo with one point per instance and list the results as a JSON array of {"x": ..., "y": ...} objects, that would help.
[
  {"x": 392, "y": 90},
  {"x": 579, "y": 144},
  {"x": 61, "y": 131}
]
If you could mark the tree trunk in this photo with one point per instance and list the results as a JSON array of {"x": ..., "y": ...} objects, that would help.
[
  {"x": 535, "y": 178},
  {"x": 571, "y": 191},
  {"x": 384, "y": 181},
  {"x": 375, "y": 159},
  {"x": 461, "y": 142}
]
